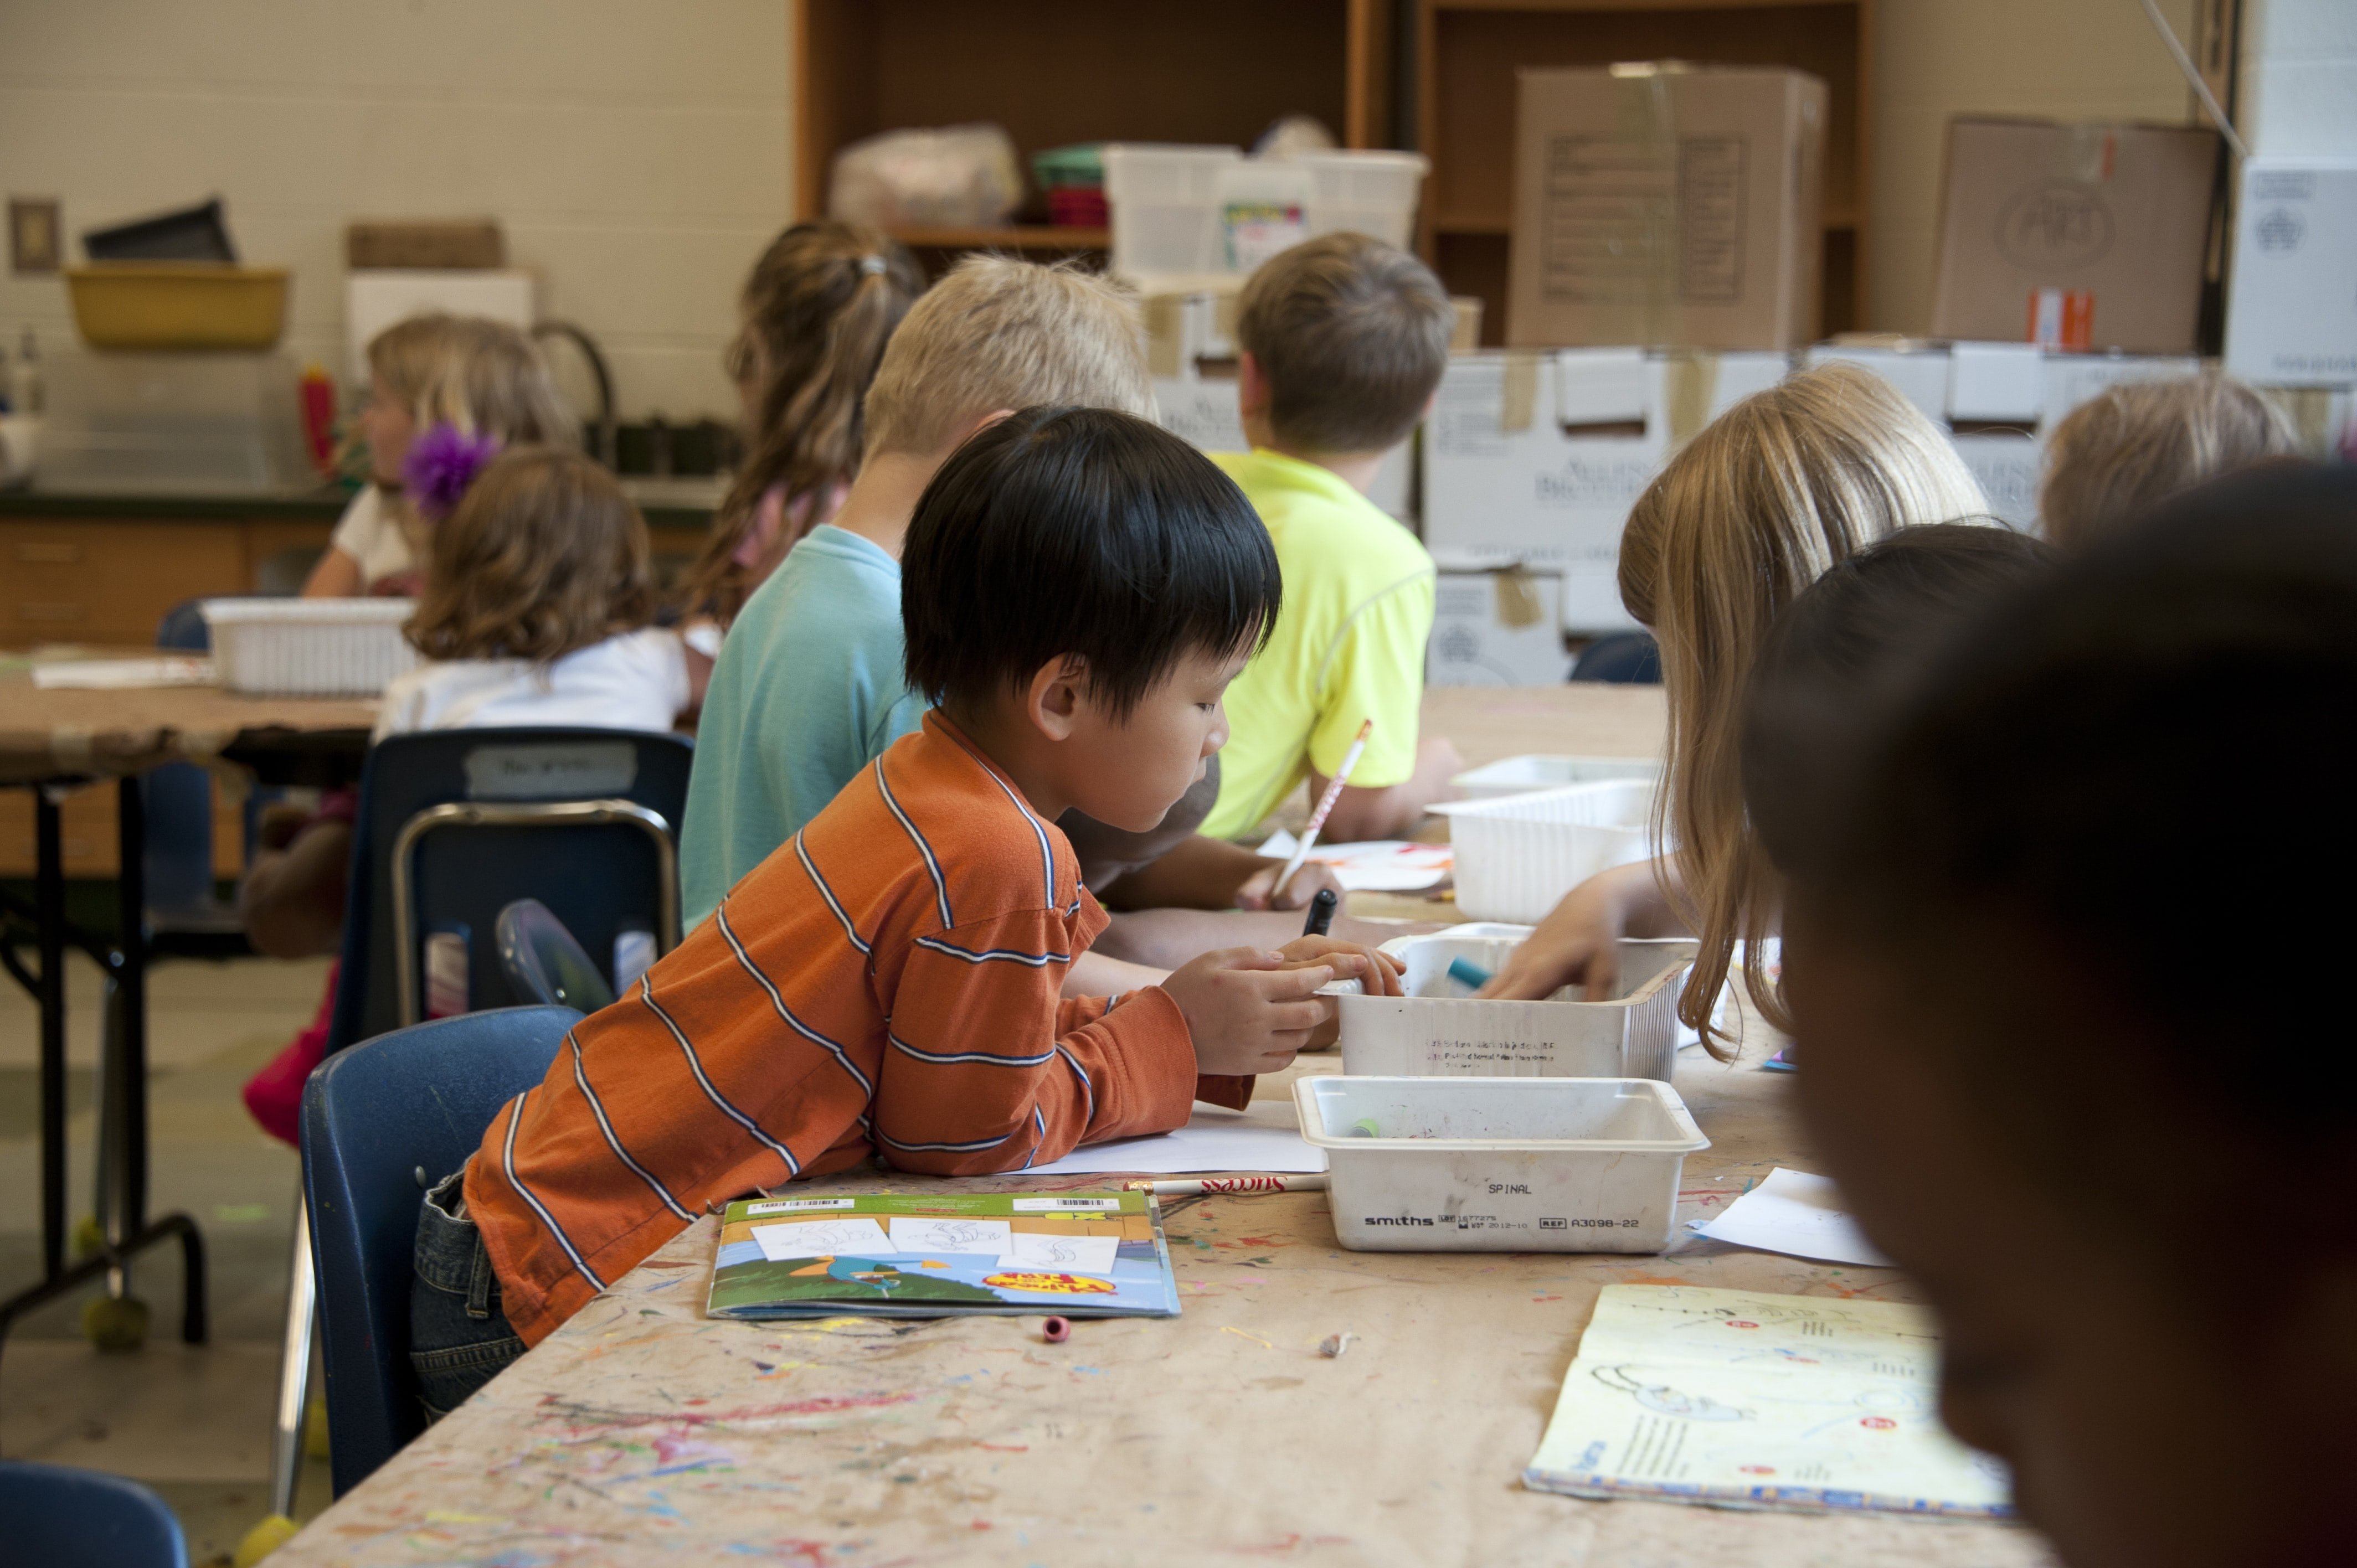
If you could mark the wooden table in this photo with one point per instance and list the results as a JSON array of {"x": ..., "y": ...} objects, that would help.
[{"x": 643, "y": 1433}]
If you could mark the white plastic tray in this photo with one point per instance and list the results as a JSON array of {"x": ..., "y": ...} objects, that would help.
[
  {"x": 1517, "y": 855},
  {"x": 1438, "y": 1030},
  {"x": 1474, "y": 1165},
  {"x": 1523, "y": 775},
  {"x": 309, "y": 647}
]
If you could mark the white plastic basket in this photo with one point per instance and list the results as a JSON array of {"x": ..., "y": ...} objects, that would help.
[
  {"x": 1523, "y": 775},
  {"x": 309, "y": 647},
  {"x": 1439, "y": 1030},
  {"x": 1517, "y": 855},
  {"x": 1485, "y": 1164},
  {"x": 1168, "y": 204}
]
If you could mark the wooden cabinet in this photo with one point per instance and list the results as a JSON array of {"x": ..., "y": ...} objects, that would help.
[
  {"x": 1055, "y": 72},
  {"x": 1468, "y": 50},
  {"x": 104, "y": 582}
]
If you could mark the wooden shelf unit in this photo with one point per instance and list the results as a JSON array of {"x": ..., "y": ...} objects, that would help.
[
  {"x": 1054, "y": 73},
  {"x": 1468, "y": 50}
]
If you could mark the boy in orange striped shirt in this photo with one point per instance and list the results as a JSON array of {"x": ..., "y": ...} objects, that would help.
[{"x": 1079, "y": 588}]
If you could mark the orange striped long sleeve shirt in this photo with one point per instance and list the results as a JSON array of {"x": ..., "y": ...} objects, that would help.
[{"x": 886, "y": 982}]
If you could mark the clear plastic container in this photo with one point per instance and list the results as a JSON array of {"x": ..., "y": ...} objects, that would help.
[
  {"x": 1517, "y": 855},
  {"x": 309, "y": 647},
  {"x": 174, "y": 423},
  {"x": 1485, "y": 1164},
  {"x": 1438, "y": 1029},
  {"x": 1524, "y": 775},
  {"x": 1196, "y": 216}
]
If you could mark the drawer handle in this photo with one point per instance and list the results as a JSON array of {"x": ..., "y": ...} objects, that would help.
[
  {"x": 52, "y": 615},
  {"x": 58, "y": 552}
]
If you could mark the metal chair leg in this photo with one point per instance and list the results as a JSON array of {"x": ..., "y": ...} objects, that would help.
[{"x": 293, "y": 1370}]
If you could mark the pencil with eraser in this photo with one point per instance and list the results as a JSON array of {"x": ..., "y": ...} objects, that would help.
[{"x": 1325, "y": 806}]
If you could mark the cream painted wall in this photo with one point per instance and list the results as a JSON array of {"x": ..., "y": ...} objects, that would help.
[
  {"x": 2073, "y": 59},
  {"x": 635, "y": 150}
]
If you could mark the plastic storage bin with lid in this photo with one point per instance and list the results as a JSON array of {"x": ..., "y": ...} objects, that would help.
[{"x": 1187, "y": 217}]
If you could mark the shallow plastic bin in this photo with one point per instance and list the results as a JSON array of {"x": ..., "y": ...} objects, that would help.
[
  {"x": 309, "y": 647},
  {"x": 1480, "y": 1165},
  {"x": 1437, "y": 1029},
  {"x": 1524, "y": 775},
  {"x": 1168, "y": 204},
  {"x": 1517, "y": 855}
]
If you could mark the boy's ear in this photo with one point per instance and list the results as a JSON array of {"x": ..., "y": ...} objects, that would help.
[
  {"x": 1056, "y": 694},
  {"x": 1251, "y": 385}
]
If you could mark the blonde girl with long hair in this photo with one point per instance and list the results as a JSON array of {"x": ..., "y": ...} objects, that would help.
[
  {"x": 1771, "y": 495},
  {"x": 484, "y": 380},
  {"x": 815, "y": 314}
]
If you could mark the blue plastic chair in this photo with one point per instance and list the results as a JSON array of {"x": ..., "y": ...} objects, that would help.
[
  {"x": 1622, "y": 658},
  {"x": 544, "y": 965},
  {"x": 64, "y": 1518},
  {"x": 374, "y": 1117}
]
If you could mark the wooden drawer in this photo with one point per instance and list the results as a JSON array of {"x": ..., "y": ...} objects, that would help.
[{"x": 110, "y": 582}]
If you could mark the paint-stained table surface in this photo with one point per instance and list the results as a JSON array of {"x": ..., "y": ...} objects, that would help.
[
  {"x": 643, "y": 1433},
  {"x": 111, "y": 734}
]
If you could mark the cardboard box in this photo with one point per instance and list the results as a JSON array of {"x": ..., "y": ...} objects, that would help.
[
  {"x": 1997, "y": 401},
  {"x": 2073, "y": 236},
  {"x": 1667, "y": 205},
  {"x": 1536, "y": 457},
  {"x": 1497, "y": 629},
  {"x": 2291, "y": 316}
]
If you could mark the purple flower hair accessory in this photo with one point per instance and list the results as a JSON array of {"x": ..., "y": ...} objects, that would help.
[{"x": 440, "y": 466}]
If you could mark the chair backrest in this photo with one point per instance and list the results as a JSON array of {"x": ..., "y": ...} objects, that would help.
[
  {"x": 64, "y": 1518},
  {"x": 544, "y": 964},
  {"x": 373, "y": 1118},
  {"x": 454, "y": 825},
  {"x": 1622, "y": 658}
]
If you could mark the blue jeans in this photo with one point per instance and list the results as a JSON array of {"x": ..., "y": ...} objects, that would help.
[{"x": 459, "y": 1337}]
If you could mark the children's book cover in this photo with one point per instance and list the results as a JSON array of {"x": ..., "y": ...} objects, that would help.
[
  {"x": 1078, "y": 1254},
  {"x": 1742, "y": 1400}
]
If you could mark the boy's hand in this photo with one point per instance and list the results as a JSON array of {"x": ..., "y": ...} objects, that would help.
[
  {"x": 1255, "y": 892},
  {"x": 1377, "y": 972},
  {"x": 1250, "y": 1010}
]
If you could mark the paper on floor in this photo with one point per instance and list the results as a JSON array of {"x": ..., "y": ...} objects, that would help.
[
  {"x": 1795, "y": 1213},
  {"x": 1265, "y": 1137},
  {"x": 1378, "y": 865}
]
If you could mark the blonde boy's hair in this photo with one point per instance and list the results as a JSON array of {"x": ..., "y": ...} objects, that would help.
[
  {"x": 483, "y": 377},
  {"x": 998, "y": 333},
  {"x": 2117, "y": 456},
  {"x": 1771, "y": 494},
  {"x": 543, "y": 556},
  {"x": 1352, "y": 335}
]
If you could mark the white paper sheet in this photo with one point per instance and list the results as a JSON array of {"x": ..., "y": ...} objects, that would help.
[
  {"x": 856, "y": 1237},
  {"x": 1265, "y": 1137},
  {"x": 122, "y": 674},
  {"x": 1377, "y": 865},
  {"x": 914, "y": 1233},
  {"x": 1798, "y": 1214},
  {"x": 1060, "y": 1254}
]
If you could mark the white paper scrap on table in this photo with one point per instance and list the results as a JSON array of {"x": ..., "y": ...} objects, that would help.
[
  {"x": 1050, "y": 1252},
  {"x": 856, "y": 1236},
  {"x": 1798, "y": 1214},
  {"x": 1266, "y": 1136},
  {"x": 1378, "y": 865},
  {"x": 918, "y": 1233},
  {"x": 122, "y": 674}
]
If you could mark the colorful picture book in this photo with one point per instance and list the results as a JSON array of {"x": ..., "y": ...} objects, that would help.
[
  {"x": 1742, "y": 1400},
  {"x": 1077, "y": 1254}
]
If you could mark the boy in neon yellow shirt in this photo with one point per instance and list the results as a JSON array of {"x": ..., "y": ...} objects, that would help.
[{"x": 1343, "y": 340}]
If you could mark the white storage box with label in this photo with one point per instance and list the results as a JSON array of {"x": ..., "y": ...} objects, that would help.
[
  {"x": 1516, "y": 856},
  {"x": 2292, "y": 317},
  {"x": 1536, "y": 458},
  {"x": 1438, "y": 1029},
  {"x": 1202, "y": 213},
  {"x": 1486, "y": 1164},
  {"x": 309, "y": 647},
  {"x": 1524, "y": 775},
  {"x": 1497, "y": 629}
]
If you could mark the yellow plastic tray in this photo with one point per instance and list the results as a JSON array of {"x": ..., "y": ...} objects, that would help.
[{"x": 178, "y": 305}]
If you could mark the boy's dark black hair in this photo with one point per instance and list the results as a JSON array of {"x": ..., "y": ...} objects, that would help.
[
  {"x": 2136, "y": 768},
  {"x": 1079, "y": 530},
  {"x": 1839, "y": 658}
]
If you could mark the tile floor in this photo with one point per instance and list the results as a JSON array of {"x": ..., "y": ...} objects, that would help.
[{"x": 192, "y": 1421}]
